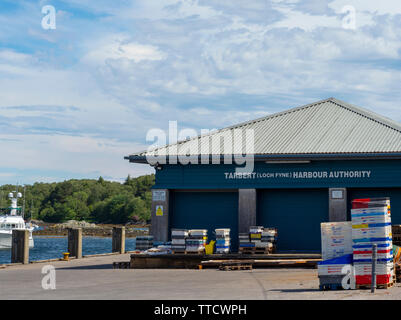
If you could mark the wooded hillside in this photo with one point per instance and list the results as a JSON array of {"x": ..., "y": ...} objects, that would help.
[{"x": 97, "y": 201}]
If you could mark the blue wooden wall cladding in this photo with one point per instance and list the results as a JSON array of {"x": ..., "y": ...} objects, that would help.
[{"x": 317, "y": 174}]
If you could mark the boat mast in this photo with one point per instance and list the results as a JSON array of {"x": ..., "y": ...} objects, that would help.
[
  {"x": 23, "y": 205},
  {"x": 14, "y": 200}
]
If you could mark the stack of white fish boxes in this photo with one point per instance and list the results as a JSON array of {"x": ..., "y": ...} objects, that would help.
[
  {"x": 196, "y": 241},
  {"x": 143, "y": 242},
  {"x": 245, "y": 244},
  {"x": 222, "y": 240},
  {"x": 336, "y": 253},
  {"x": 269, "y": 239},
  {"x": 255, "y": 234},
  {"x": 371, "y": 224},
  {"x": 178, "y": 240},
  {"x": 336, "y": 239}
]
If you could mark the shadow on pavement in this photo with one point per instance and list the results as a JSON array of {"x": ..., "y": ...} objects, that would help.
[
  {"x": 90, "y": 267},
  {"x": 296, "y": 290}
]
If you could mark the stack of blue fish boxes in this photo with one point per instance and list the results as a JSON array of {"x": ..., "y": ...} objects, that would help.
[
  {"x": 222, "y": 240},
  {"x": 371, "y": 224}
]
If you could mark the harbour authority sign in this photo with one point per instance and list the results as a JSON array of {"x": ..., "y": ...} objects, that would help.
[{"x": 336, "y": 174}]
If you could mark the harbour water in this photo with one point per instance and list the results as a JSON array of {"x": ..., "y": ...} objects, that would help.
[{"x": 52, "y": 247}]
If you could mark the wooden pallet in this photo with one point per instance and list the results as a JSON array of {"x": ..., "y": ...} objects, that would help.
[
  {"x": 263, "y": 251},
  {"x": 178, "y": 252},
  {"x": 202, "y": 252},
  {"x": 121, "y": 265},
  {"x": 378, "y": 286},
  {"x": 229, "y": 266},
  {"x": 255, "y": 250},
  {"x": 246, "y": 250}
]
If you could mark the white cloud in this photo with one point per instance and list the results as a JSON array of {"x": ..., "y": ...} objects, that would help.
[
  {"x": 118, "y": 47},
  {"x": 391, "y": 7},
  {"x": 13, "y": 56},
  {"x": 80, "y": 155},
  {"x": 304, "y": 21},
  {"x": 106, "y": 80}
]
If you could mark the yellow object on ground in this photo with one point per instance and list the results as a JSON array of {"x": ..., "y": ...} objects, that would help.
[
  {"x": 66, "y": 256},
  {"x": 209, "y": 248}
]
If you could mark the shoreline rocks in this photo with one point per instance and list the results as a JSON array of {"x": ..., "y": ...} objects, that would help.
[{"x": 88, "y": 229}]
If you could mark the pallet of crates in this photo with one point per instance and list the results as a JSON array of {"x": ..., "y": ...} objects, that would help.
[
  {"x": 245, "y": 244},
  {"x": 269, "y": 239},
  {"x": 331, "y": 272},
  {"x": 222, "y": 241},
  {"x": 371, "y": 224},
  {"x": 196, "y": 241},
  {"x": 178, "y": 240},
  {"x": 255, "y": 235},
  {"x": 143, "y": 243}
]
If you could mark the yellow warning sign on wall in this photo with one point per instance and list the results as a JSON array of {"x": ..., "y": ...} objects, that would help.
[{"x": 159, "y": 211}]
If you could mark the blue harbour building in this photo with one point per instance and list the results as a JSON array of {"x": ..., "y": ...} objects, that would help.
[{"x": 309, "y": 163}]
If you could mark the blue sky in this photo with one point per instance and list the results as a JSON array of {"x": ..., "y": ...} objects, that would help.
[{"x": 77, "y": 99}]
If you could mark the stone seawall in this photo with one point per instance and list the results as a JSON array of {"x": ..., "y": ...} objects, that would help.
[{"x": 98, "y": 231}]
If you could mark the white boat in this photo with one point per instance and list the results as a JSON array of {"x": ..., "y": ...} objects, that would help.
[{"x": 13, "y": 220}]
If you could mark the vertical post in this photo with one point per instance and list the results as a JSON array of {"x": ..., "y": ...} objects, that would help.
[
  {"x": 75, "y": 242},
  {"x": 160, "y": 215},
  {"x": 246, "y": 211},
  {"x": 20, "y": 246},
  {"x": 118, "y": 242},
  {"x": 374, "y": 258}
]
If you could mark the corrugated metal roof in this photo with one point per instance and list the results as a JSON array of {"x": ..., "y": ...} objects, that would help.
[{"x": 329, "y": 126}]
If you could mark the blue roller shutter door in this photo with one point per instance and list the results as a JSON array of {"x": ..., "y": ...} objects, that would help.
[
  {"x": 296, "y": 214},
  {"x": 206, "y": 210}
]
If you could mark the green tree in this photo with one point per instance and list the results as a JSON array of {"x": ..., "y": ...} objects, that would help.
[{"x": 86, "y": 199}]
